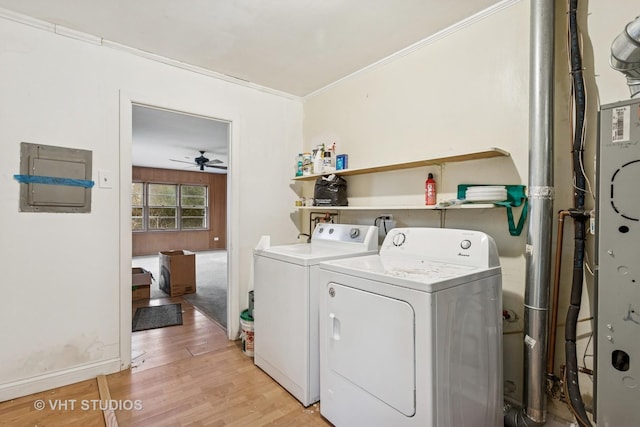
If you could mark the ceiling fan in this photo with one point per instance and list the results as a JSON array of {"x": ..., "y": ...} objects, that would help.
[{"x": 203, "y": 162}]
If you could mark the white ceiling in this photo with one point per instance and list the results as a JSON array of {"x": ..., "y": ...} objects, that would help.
[
  {"x": 291, "y": 46},
  {"x": 170, "y": 140}
]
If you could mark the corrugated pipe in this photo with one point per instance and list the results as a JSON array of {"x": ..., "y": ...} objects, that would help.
[
  {"x": 580, "y": 217},
  {"x": 538, "y": 249},
  {"x": 625, "y": 55}
]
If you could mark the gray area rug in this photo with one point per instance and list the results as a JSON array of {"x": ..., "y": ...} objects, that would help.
[
  {"x": 211, "y": 283},
  {"x": 157, "y": 316}
]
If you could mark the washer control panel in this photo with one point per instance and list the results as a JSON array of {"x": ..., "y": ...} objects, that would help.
[{"x": 344, "y": 233}]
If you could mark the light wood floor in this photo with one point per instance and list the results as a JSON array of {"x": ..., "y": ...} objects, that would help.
[{"x": 188, "y": 375}]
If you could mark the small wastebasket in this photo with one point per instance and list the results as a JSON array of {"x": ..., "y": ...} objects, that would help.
[{"x": 246, "y": 332}]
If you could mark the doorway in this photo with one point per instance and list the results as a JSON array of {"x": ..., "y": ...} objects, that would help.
[
  {"x": 180, "y": 162},
  {"x": 128, "y": 104}
]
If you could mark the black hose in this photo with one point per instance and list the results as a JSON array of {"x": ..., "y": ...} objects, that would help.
[
  {"x": 580, "y": 105},
  {"x": 572, "y": 386}
]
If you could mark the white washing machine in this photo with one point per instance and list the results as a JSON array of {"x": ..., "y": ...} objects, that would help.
[
  {"x": 413, "y": 336},
  {"x": 286, "y": 305}
]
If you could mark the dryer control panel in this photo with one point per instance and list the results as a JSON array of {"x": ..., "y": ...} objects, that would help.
[{"x": 446, "y": 245}]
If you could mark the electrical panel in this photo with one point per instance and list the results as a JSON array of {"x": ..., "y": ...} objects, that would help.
[
  {"x": 617, "y": 373},
  {"x": 54, "y": 179}
]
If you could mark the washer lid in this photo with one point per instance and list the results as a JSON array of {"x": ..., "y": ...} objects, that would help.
[
  {"x": 419, "y": 274},
  {"x": 308, "y": 254},
  {"x": 329, "y": 241}
]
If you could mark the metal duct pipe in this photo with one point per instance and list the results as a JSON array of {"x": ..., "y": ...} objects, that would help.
[
  {"x": 538, "y": 249},
  {"x": 625, "y": 55}
]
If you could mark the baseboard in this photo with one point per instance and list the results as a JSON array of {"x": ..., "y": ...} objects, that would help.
[{"x": 48, "y": 381}]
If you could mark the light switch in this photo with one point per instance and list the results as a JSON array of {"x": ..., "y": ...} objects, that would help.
[{"x": 105, "y": 179}]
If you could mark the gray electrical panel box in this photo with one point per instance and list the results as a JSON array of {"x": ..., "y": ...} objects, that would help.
[
  {"x": 54, "y": 179},
  {"x": 617, "y": 373}
]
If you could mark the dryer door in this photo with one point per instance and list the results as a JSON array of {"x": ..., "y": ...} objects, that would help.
[{"x": 371, "y": 343}]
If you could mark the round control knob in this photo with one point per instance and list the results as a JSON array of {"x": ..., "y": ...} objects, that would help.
[
  {"x": 354, "y": 232},
  {"x": 320, "y": 229},
  {"x": 465, "y": 244},
  {"x": 331, "y": 230},
  {"x": 398, "y": 239}
]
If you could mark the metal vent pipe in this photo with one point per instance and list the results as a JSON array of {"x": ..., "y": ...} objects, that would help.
[
  {"x": 538, "y": 249},
  {"x": 625, "y": 55}
]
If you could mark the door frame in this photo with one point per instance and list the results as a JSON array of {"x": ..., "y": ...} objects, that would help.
[{"x": 187, "y": 106}]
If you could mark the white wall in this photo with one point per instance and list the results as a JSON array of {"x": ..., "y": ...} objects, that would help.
[
  {"x": 66, "y": 277},
  {"x": 64, "y": 274},
  {"x": 468, "y": 90}
]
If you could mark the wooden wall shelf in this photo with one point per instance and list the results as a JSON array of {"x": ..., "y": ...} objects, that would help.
[{"x": 486, "y": 154}]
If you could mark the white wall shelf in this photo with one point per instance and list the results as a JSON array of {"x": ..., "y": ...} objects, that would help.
[
  {"x": 478, "y": 155},
  {"x": 391, "y": 208},
  {"x": 486, "y": 154}
]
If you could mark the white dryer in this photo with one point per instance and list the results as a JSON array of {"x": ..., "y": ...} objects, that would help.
[
  {"x": 286, "y": 305},
  {"x": 413, "y": 336}
]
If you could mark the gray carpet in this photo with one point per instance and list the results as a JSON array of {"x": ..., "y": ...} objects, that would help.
[
  {"x": 157, "y": 316},
  {"x": 211, "y": 283}
]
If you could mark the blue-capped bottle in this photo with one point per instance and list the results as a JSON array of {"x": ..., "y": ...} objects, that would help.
[{"x": 299, "y": 163}]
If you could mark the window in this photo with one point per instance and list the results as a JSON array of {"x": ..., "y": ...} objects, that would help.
[
  {"x": 137, "y": 206},
  {"x": 193, "y": 207},
  {"x": 168, "y": 207},
  {"x": 162, "y": 203}
]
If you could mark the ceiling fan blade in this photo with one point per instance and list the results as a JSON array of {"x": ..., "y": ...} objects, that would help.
[
  {"x": 201, "y": 162},
  {"x": 182, "y": 161}
]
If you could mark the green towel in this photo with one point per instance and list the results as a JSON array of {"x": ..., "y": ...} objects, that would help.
[{"x": 515, "y": 197}]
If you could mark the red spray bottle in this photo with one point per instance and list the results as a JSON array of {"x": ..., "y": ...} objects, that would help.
[{"x": 430, "y": 190}]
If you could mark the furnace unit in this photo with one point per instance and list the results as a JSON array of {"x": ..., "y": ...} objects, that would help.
[{"x": 617, "y": 373}]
